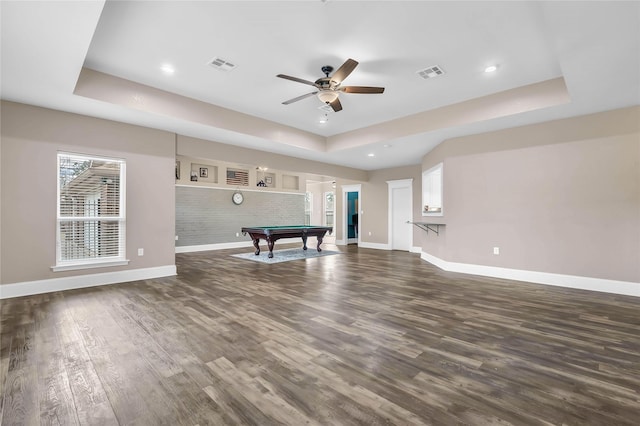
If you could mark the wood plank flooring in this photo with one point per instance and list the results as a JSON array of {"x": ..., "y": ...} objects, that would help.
[{"x": 366, "y": 337}]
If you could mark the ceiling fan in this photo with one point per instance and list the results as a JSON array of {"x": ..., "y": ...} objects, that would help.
[{"x": 329, "y": 87}]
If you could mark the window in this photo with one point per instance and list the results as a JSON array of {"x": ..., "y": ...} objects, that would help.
[
  {"x": 90, "y": 212},
  {"x": 308, "y": 207},
  {"x": 328, "y": 208},
  {"x": 432, "y": 191}
]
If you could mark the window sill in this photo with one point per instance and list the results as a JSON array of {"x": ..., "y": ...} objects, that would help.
[{"x": 91, "y": 265}]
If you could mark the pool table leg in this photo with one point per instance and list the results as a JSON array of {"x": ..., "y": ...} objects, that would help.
[
  {"x": 256, "y": 244},
  {"x": 304, "y": 242},
  {"x": 319, "y": 242},
  {"x": 270, "y": 244}
]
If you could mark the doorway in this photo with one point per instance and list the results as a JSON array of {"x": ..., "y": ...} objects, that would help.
[
  {"x": 400, "y": 213},
  {"x": 351, "y": 214}
]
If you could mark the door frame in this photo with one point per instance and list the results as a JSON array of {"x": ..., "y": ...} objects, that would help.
[
  {"x": 397, "y": 184},
  {"x": 345, "y": 190}
]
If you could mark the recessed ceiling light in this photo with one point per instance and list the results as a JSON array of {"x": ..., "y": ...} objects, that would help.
[
  {"x": 491, "y": 68},
  {"x": 167, "y": 69},
  {"x": 371, "y": 154}
]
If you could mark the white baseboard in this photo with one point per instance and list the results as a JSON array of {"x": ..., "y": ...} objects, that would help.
[
  {"x": 416, "y": 249},
  {"x": 626, "y": 288},
  {"x": 28, "y": 288},
  {"x": 377, "y": 246},
  {"x": 219, "y": 246}
]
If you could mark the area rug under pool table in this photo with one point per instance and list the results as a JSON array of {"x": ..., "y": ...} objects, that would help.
[{"x": 285, "y": 255}]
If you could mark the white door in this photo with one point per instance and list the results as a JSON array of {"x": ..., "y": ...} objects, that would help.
[{"x": 400, "y": 212}]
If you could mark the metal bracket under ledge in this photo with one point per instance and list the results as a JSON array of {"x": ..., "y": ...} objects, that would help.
[{"x": 433, "y": 227}]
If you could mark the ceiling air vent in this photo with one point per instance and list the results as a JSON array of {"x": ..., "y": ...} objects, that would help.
[
  {"x": 221, "y": 64},
  {"x": 325, "y": 108},
  {"x": 430, "y": 72}
]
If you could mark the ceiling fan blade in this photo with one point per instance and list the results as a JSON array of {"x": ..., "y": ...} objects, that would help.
[
  {"x": 361, "y": 89},
  {"x": 344, "y": 71},
  {"x": 336, "y": 105},
  {"x": 299, "y": 98},
  {"x": 299, "y": 80}
]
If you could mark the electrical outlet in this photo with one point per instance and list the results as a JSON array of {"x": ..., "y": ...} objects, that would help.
[
  {"x": 496, "y": 250},
  {"x": 237, "y": 234},
  {"x": 140, "y": 252},
  {"x": 369, "y": 233},
  {"x": 176, "y": 238}
]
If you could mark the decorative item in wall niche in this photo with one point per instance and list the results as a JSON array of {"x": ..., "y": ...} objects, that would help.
[
  {"x": 237, "y": 177},
  {"x": 268, "y": 180},
  {"x": 194, "y": 176},
  {"x": 204, "y": 172},
  {"x": 177, "y": 170},
  {"x": 261, "y": 183}
]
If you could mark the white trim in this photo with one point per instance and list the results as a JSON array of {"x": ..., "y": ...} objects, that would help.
[
  {"x": 626, "y": 288},
  {"x": 340, "y": 243},
  {"x": 426, "y": 173},
  {"x": 377, "y": 246},
  {"x": 89, "y": 265},
  {"x": 345, "y": 190},
  {"x": 28, "y": 288},
  {"x": 121, "y": 217},
  {"x": 219, "y": 246},
  {"x": 398, "y": 184},
  {"x": 416, "y": 249}
]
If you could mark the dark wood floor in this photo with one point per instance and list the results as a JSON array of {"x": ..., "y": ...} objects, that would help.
[{"x": 365, "y": 337}]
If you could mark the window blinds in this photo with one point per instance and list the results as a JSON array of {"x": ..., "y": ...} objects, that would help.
[{"x": 91, "y": 219}]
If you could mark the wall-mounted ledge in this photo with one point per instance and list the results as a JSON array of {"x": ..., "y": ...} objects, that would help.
[{"x": 426, "y": 226}]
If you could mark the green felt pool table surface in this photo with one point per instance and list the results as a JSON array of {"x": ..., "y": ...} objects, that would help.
[{"x": 272, "y": 233}]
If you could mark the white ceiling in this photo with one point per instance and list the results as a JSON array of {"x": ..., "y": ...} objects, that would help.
[{"x": 594, "y": 46}]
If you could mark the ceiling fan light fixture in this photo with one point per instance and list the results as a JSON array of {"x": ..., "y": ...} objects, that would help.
[{"x": 327, "y": 96}]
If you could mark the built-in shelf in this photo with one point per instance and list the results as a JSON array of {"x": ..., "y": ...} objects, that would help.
[
  {"x": 290, "y": 182},
  {"x": 237, "y": 177},
  {"x": 426, "y": 226},
  {"x": 270, "y": 180},
  {"x": 220, "y": 174},
  {"x": 204, "y": 173}
]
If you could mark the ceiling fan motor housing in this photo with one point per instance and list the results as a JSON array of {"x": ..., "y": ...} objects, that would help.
[
  {"x": 327, "y": 70},
  {"x": 324, "y": 83}
]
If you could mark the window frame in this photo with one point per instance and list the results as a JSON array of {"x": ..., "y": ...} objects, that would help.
[
  {"x": 428, "y": 176},
  {"x": 120, "y": 218},
  {"x": 308, "y": 207},
  {"x": 325, "y": 210}
]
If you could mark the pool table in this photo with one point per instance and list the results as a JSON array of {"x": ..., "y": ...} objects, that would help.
[{"x": 273, "y": 233}]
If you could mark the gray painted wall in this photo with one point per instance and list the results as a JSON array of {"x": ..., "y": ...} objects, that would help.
[
  {"x": 558, "y": 197},
  {"x": 208, "y": 216},
  {"x": 31, "y": 138}
]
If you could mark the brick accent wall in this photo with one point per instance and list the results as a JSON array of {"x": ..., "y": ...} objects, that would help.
[{"x": 208, "y": 216}]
